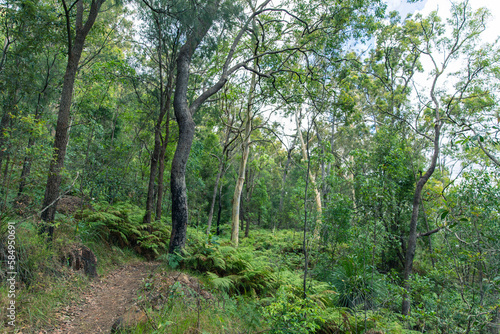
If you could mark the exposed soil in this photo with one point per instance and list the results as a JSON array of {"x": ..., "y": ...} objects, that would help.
[
  {"x": 105, "y": 301},
  {"x": 70, "y": 204}
]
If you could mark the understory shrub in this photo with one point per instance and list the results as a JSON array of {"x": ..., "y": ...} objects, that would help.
[
  {"x": 289, "y": 313},
  {"x": 231, "y": 270},
  {"x": 121, "y": 224}
]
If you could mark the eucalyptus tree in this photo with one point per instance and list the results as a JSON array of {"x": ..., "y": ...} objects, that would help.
[
  {"x": 292, "y": 30},
  {"x": 442, "y": 44},
  {"x": 384, "y": 89},
  {"x": 210, "y": 14},
  {"x": 229, "y": 137},
  {"x": 245, "y": 150},
  {"x": 77, "y": 29}
]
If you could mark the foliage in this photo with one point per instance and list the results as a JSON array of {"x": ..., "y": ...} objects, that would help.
[
  {"x": 230, "y": 270},
  {"x": 369, "y": 120},
  {"x": 121, "y": 224},
  {"x": 355, "y": 283},
  {"x": 290, "y": 313},
  {"x": 44, "y": 282}
]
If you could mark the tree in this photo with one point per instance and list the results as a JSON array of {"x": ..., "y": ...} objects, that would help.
[
  {"x": 165, "y": 44},
  {"x": 184, "y": 111},
  {"x": 227, "y": 147},
  {"x": 245, "y": 146},
  {"x": 75, "y": 42},
  {"x": 466, "y": 27}
]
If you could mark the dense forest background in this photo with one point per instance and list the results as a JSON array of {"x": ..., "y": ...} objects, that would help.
[{"x": 327, "y": 165}]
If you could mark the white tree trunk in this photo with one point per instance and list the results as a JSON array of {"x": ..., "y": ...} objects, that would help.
[{"x": 317, "y": 194}]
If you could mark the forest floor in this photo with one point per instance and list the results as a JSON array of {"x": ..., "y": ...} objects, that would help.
[{"x": 104, "y": 301}]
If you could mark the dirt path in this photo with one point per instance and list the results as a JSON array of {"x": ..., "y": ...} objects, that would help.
[{"x": 105, "y": 301}]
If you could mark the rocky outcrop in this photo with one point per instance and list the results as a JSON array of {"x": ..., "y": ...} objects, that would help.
[{"x": 80, "y": 257}]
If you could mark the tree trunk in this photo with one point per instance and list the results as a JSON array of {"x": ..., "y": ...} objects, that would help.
[
  {"x": 220, "y": 172},
  {"x": 161, "y": 171},
  {"x": 6, "y": 181},
  {"x": 317, "y": 194},
  {"x": 235, "y": 217},
  {"x": 214, "y": 195},
  {"x": 6, "y": 121},
  {"x": 250, "y": 186},
  {"x": 247, "y": 225},
  {"x": 178, "y": 171},
  {"x": 152, "y": 175},
  {"x": 283, "y": 183},
  {"x": 75, "y": 48},
  {"x": 219, "y": 211},
  {"x": 158, "y": 156},
  {"x": 3, "y": 128},
  {"x": 412, "y": 237},
  {"x": 27, "y": 159},
  {"x": 183, "y": 114},
  {"x": 25, "y": 173},
  {"x": 245, "y": 148}
]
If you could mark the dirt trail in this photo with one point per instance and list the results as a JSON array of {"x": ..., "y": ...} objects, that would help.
[{"x": 106, "y": 300}]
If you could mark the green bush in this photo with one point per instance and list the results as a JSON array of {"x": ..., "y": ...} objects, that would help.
[
  {"x": 33, "y": 258},
  {"x": 291, "y": 314},
  {"x": 356, "y": 284}
]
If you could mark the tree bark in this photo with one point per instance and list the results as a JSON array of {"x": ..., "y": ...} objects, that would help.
[
  {"x": 153, "y": 171},
  {"x": 6, "y": 181},
  {"x": 317, "y": 194},
  {"x": 220, "y": 172},
  {"x": 3, "y": 127},
  {"x": 245, "y": 148},
  {"x": 219, "y": 211},
  {"x": 158, "y": 156},
  {"x": 179, "y": 162},
  {"x": 250, "y": 186},
  {"x": 283, "y": 183},
  {"x": 183, "y": 114},
  {"x": 412, "y": 237},
  {"x": 161, "y": 167},
  {"x": 75, "y": 48},
  {"x": 6, "y": 121},
  {"x": 214, "y": 195}
]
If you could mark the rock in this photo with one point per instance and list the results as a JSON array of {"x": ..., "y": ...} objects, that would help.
[
  {"x": 80, "y": 257},
  {"x": 130, "y": 318}
]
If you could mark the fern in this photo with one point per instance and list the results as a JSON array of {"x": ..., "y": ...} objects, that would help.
[
  {"x": 225, "y": 284},
  {"x": 122, "y": 224}
]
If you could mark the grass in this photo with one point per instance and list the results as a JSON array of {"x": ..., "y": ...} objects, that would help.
[
  {"x": 43, "y": 283},
  {"x": 244, "y": 283},
  {"x": 182, "y": 308}
]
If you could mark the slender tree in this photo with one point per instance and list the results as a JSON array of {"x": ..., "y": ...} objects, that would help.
[
  {"x": 75, "y": 42},
  {"x": 466, "y": 29}
]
